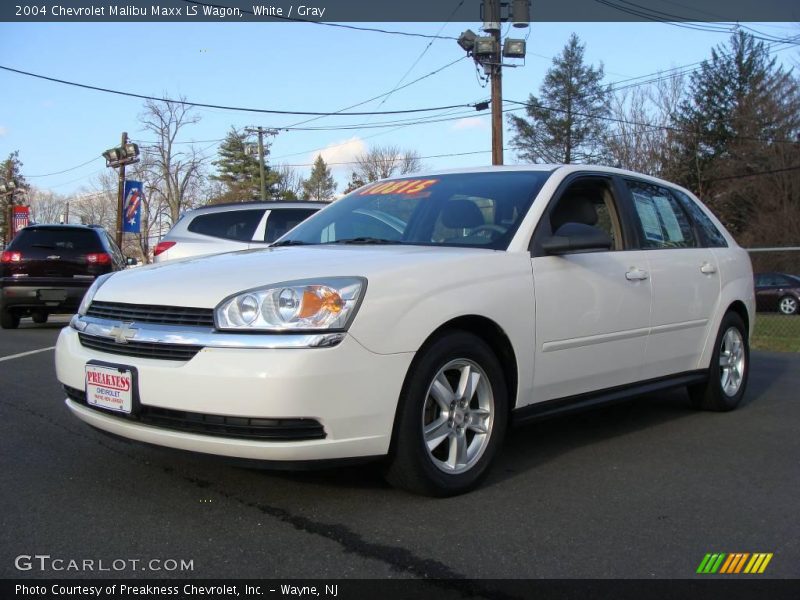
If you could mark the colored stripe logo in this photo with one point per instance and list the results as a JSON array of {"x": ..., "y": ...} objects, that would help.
[{"x": 734, "y": 563}]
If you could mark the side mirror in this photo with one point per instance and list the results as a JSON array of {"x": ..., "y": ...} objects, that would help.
[
  {"x": 576, "y": 237},
  {"x": 131, "y": 262}
]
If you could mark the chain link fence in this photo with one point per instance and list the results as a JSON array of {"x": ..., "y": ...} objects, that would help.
[{"x": 777, "y": 283}]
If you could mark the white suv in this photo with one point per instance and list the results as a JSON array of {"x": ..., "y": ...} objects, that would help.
[
  {"x": 415, "y": 318},
  {"x": 230, "y": 227}
]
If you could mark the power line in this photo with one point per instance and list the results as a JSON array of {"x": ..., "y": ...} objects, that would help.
[
  {"x": 410, "y": 83},
  {"x": 419, "y": 58},
  {"x": 223, "y": 107},
  {"x": 757, "y": 173},
  {"x": 65, "y": 170}
]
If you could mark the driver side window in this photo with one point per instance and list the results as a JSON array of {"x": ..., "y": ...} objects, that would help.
[{"x": 588, "y": 201}]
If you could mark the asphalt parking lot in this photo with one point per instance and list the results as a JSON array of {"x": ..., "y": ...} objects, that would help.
[{"x": 639, "y": 490}]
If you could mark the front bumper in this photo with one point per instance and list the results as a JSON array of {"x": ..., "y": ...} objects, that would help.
[{"x": 351, "y": 391}]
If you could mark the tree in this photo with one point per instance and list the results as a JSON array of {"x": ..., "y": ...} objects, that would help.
[
  {"x": 354, "y": 183},
  {"x": 46, "y": 206},
  {"x": 639, "y": 140},
  {"x": 739, "y": 121},
  {"x": 176, "y": 171},
  {"x": 238, "y": 168},
  {"x": 320, "y": 185},
  {"x": 384, "y": 161},
  {"x": 565, "y": 125},
  {"x": 11, "y": 170},
  {"x": 289, "y": 184}
]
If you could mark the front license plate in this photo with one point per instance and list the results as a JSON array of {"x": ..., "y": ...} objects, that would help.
[{"x": 110, "y": 388}]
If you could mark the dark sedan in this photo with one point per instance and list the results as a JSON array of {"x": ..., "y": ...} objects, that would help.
[{"x": 778, "y": 291}]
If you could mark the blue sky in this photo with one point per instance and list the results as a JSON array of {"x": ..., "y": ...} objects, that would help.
[{"x": 286, "y": 66}]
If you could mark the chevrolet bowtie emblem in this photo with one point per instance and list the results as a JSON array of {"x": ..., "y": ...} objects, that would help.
[{"x": 122, "y": 334}]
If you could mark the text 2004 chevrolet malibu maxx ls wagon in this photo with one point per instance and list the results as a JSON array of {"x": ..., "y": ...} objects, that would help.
[{"x": 415, "y": 317}]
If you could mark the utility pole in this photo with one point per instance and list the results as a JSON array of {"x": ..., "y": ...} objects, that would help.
[
  {"x": 121, "y": 192},
  {"x": 488, "y": 52},
  {"x": 125, "y": 154},
  {"x": 493, "y": 14},
  {"x": 260, "y": 131}
]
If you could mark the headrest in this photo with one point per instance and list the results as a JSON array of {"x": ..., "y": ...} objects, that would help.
[
  {"x": 461, "y": 214},
  {"x": 573, "y": 209}
]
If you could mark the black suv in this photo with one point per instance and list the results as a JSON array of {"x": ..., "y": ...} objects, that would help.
[{"x": 47, "y": 268}]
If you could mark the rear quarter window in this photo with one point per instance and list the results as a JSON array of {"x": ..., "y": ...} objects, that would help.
[
  {"x": 238, "y": 225},
  {"x": 711, "y": 236},
  {"x": 280, "y": 221}
]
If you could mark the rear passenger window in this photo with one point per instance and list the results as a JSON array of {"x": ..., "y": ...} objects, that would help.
[
  {"x": 662, "y": 221},
  {"x": 280, "y": 221},
  {"x": 236, "y": 225},
  {"x": 712, "y": 236}
]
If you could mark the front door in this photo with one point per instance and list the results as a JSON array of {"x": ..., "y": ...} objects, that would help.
[{"x": 592, "y": 308}]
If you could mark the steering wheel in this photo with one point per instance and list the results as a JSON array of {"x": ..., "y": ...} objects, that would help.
[{"x": 498, "y": 229}]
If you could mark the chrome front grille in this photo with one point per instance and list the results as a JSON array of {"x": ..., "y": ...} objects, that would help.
[
  {"x": 143, "y": 313},
  {"x": 159, "y": 351}
]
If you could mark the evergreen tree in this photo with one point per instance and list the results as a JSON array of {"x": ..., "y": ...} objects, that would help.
[
  {"x": 238, "y": 168},
  {"x": 354, "y": 183},
  {"x": 10, "y": 170},
  {"x": 320, "y": 185},
  {"x": 565, "y": 123},
  {"x": 740, "y": 111}
]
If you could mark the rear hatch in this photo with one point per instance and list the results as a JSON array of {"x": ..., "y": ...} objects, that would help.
[{"x": 55, "y": 253}]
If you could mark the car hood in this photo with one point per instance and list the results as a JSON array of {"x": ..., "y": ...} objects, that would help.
[{"x": 204, "y": 282}]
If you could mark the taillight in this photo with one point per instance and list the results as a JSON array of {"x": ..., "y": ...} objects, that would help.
[
  {"x": 162, "y": 247},
  {"x": 9, "y": 257},
  {"x": 98, "y": 258}
]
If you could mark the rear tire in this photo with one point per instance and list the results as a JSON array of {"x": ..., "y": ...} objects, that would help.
[
  {"x": 39, "y": 317},
  {"x": 729, "y": 370},
  {"x": 8, "y": 320},
  {"x": 451, "y": 418}
]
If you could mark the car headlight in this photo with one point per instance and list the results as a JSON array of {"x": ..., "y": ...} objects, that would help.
[
  {"x": 90, "y": 293},
  {"x": 308, "y": 305}
]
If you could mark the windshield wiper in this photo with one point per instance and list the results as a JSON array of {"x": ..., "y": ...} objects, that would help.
[
  {"x": 49, "y": 246},
  {"x": 288, "y": 243},
  {"x": 366, "y": 240}
]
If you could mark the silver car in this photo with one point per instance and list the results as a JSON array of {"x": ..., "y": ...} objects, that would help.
[{"x": 230, "y": 227}]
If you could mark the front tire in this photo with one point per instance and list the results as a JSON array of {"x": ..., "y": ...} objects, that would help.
[
  {"x": 788, "y": 305},
  {"x": 39, "y": 317},
  {"x": 729, "y": 370},
  {"x": 451, "y": 418}
]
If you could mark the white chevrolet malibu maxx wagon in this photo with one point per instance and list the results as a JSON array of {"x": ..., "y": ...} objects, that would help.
[{"x": 415, "y": 318}]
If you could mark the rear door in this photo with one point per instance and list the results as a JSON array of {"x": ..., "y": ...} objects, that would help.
[
  {"x": 684, "y": 275},
  {"x": 218, "y": 231}
]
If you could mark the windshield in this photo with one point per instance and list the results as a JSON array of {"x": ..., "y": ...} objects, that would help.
[{"x": 479, "y": 210}]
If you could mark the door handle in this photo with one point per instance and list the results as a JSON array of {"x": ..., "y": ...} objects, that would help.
[
  {"x": 636, "y": 275},
  {"x": 708, "y": 268}
]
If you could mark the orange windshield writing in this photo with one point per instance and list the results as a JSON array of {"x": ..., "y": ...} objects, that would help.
[{"x": 406, "y": 186}]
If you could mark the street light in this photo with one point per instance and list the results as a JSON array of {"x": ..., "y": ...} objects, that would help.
[
  {"x": 514, "y": 48},
  {"x": 467, "y": 40}
]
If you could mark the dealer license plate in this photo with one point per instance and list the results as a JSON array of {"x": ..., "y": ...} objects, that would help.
[{"x": 109, "y": 387}]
